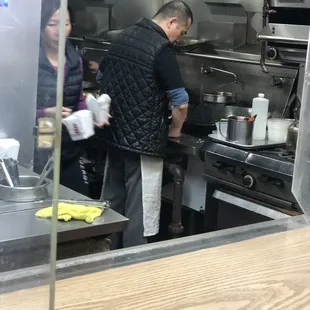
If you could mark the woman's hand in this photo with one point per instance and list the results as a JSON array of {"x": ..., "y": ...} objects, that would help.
[{"x": 50, "y": 112}]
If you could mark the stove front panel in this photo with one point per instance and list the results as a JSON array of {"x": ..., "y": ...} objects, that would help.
[{"x": 254, "y": 180}]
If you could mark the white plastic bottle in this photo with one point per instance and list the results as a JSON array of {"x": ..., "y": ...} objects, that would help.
[{"x": 260, "y": 106}]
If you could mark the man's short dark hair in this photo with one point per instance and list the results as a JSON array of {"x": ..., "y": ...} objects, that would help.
[{"x": 175, "y": 8}]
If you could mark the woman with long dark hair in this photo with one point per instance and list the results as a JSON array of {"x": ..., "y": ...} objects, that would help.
[{"x": 72, "y": 172}]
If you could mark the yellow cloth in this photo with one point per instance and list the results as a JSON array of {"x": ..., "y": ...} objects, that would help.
[{"x": 68, "y": 211}]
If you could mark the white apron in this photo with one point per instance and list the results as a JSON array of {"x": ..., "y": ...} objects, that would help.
[{"x": 151, "y": 177}]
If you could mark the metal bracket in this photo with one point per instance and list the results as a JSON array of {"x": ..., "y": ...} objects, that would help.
[{"x": 45, "y": 132}]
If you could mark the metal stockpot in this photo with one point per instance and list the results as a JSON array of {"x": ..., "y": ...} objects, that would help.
[{"x": 239, "y": 130}]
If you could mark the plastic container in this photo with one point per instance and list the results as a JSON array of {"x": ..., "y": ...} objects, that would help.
[
  {"x": 260, "y": 106},
  {"x": 277, "y": 129}
]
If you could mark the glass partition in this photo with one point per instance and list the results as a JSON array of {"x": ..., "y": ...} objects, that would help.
[
  {"x": 301, "y": 180},
  {"x": 32, "y": 65},
  {"x": 32, "y": 75}
]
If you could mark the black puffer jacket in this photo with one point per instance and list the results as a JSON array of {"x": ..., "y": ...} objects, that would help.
[
  {"x": 138, "y": 107},
  {"x": 46, "y": 98}
]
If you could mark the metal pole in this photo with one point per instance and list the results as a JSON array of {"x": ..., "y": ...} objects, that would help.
[
  {"x": 57, "y": 151},
  {"x": 263, "y": 46}
]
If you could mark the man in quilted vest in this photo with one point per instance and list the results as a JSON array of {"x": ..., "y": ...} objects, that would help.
[{"x": 142, "y": 77}]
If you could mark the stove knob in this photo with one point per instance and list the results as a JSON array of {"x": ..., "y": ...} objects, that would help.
[
  {"x": 263, "y": 178},
  {"x": 218, "y": 165},
  {"x": 278, "y": 183},
  {"x": 272, "y": 53},
  {"x": 248, "y": 181},
  {"x": 230, "y": 168},
  {"x": 239, "y": 171}
]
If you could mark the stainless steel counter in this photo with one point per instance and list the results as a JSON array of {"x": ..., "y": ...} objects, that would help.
[
  {"x": 22, "y": 225},
  {"x": 18, "y": 221},
  {"x": 22, "y": 234},
  {"x": 187, "y": 144}
]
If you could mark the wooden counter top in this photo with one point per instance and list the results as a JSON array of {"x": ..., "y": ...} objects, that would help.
[{"x": 267, "y": 273}]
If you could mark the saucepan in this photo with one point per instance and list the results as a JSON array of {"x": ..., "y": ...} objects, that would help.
[
  {"x": 190, "y": 44},
  {"x": 239, "y": 129},
  {"x": 220, "y": 98}
]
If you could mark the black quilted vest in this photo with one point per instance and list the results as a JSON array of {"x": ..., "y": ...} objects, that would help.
[
  {"x": 46, "y": 98},
  {"x": 138, "y": 108}
]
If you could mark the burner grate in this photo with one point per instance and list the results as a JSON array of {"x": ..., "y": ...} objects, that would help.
[
  {"x": 289, "y": 155},
  {"x": 282, "y": 153}
]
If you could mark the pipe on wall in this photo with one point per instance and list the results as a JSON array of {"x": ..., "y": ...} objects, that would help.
[
  {"x": 236, "y": 60},
  {"x": 176, "y": 228}
]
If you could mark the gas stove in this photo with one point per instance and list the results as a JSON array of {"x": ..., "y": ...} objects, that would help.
[
  {"x": 246, "y": 187},
  {"x": 263, "y": 174}
]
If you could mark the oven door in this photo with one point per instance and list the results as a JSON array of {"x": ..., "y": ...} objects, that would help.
[{"x": 226, "y": 209}]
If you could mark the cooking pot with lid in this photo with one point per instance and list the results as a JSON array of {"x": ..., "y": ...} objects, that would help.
[{"x": 220, "y": 98}]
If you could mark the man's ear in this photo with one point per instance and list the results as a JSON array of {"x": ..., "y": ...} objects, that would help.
[{"x": 171, "y": 21}]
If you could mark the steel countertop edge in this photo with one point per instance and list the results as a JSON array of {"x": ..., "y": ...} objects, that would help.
[
  {"x": 18, "y": 222},
  {"x": 187, "y": 144}
]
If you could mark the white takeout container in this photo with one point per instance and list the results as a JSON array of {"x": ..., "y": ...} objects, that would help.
[
  {"x": 9, "y": 148},
  {"x": 277, "y": 129},
  {"x": 100, "y": 108},
  {"x": 80, "y": 125}
]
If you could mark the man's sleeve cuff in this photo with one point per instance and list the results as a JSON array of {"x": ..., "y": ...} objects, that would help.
[{"x": 177, "y": 97}]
